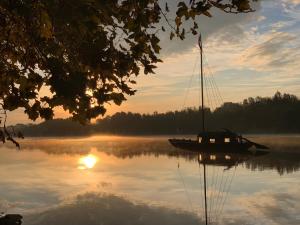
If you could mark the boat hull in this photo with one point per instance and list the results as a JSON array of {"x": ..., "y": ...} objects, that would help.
[{"x": 193, "y": 145}]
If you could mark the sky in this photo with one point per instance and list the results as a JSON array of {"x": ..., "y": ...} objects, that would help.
[{"x": 246, "y": 55}]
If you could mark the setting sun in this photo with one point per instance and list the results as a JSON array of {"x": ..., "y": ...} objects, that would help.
[{"x": 87, "y": 162}]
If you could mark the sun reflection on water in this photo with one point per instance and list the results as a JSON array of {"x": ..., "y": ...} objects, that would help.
[{"x": 87, "y": 162}]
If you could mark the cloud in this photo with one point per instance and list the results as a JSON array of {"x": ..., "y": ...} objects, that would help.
[
  {"x": 294, "y": 2},
  {"x": 262, "y": 48},
  {"x": 277, "y": 49},
  {"x": 227, "y": 23}
]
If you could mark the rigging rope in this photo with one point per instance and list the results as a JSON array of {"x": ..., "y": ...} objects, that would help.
[
  {"x": 185, "y": 191},
  {"x": 217, "y": 201},
  {"x": 184, "y": 185},
  {"x": 219, "y": 190},
  {"x": 214, "y": 93},
  {"x": 223, "y": 193},
  {"x": 206, "y": 90},
  {"x": 227, "y": 191},
  {"x": 220, "y": 99},
  {"x": 211, "y": 196},
  {"x": 189, "y": 84},
  {"x": 214, "y": 188}
]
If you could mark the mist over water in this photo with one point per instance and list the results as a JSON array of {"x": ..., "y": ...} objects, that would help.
[{"x": 144, "y": 180}]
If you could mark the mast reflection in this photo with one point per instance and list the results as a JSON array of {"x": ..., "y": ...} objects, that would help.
[{"x": 217, "y": 182}]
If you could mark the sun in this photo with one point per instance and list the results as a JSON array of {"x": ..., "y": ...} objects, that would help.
[{"x": 87, "y": 162}]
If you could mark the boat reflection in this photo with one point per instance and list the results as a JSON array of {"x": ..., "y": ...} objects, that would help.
[
  {"x": 217, "y": 179},
  {"x": 227, "y": 159},
  {"x": 279, "y": 160}
]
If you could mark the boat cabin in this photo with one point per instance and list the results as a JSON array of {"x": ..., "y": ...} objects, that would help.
[{"x": 219, "y": 137}]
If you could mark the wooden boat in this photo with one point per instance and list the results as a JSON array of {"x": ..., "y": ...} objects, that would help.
[
  {"x": 220, "y": 141},
  {"x": 225, "y": 140},
  {"x": 217, "y": 148}
]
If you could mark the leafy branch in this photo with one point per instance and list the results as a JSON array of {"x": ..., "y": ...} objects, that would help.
[
  {"x": 8, "y": 133},
  {"x": 86, "y": 53},
  {"x": 202, "y": 7}
]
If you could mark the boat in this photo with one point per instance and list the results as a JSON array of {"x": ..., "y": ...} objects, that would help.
[{"x": 214, "y": 141}]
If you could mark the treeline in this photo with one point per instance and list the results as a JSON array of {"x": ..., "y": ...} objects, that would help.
[{"x": 278, "y": 114}]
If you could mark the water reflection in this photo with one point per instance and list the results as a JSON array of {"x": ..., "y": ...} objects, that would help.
[
  {"x": 87, "y": 162},
  {"x": 284, "y": 155},
  {"x": 217, "y": 180},
  {"x": 227, "y": 159},
  {"x": 94, "y": 209},
  {"x": 146, "y": 181}
]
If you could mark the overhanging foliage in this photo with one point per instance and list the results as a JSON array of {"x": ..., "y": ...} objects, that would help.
[{"x": 85, "y": 53}]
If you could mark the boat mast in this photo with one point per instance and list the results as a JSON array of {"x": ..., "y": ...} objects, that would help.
[
  {"x": 202, "y": 95},
  {"x": 203, "y": 124}
]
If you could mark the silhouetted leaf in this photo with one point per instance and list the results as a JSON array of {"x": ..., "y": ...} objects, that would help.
[
  {"x": 167, "y": 7},
  {"x": 206, "y": 13},
  {"x": 172, "y": 35}
]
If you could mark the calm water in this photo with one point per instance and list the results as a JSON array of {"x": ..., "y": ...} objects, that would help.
[{"x": 126, "y": 180}]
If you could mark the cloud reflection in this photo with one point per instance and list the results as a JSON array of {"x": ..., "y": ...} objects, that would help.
[
  {"x": 92, "y": 209},
  {"x": 272, "y": 207}
]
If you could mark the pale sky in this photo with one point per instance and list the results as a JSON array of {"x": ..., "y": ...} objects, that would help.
[{"x": 253, "y": 54}]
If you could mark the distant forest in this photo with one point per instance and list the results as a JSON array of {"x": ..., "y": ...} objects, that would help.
[{"x": 278, "y": 114}]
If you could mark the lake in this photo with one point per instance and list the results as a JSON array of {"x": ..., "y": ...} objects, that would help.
[{"x": 112, "y": 180}]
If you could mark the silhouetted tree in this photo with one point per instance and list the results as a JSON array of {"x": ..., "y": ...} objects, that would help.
[
  {"x": 85, "y": 53},
  {"x": 279, "y": 113}
]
